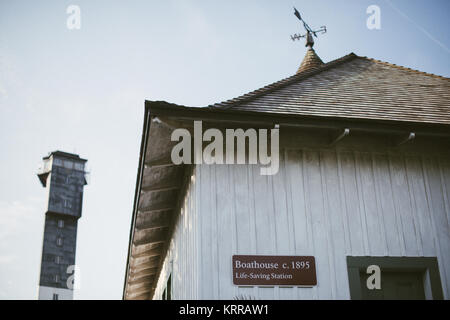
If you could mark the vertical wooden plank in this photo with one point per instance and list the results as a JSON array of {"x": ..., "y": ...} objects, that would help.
[
  {"x": 335, "y": 216},
  {"x": 352, "y": 203},
  {"x": 436, "y": 202},
  {"x": 378, "y": 197},
  {"x": 300, "y": 220},
  {"x": 375, "y": 238},
  {"x": 265, "y": 293},
  {"x": 290, "y": 163},
  {"x": 265, "y": 228},
  {"x": 403, "y": 205},
  {"x": 233, "y": 225},
  {"x": 393, "y": 231},
  {"x": 243, "y": 220},
  {"x": 362, "y": 207},
  {"x": 214, "y": 226},
  {"x": 421, "y": 210},
  {"x": 343, "y": 202},
  {"x": 242, "y": 209},
  {"x": 413, "y": 212},
  {"x": 224, "y": 202},
  {"x": 444, "y": 164},
  {"x": 189, "y": 254},
  {"x": 280, "y": 217},
  {"x": 176, "y": 252},
  {"x": 309, "y": 213},
  {"x": 198, "y": 231},
  {"x": 252, "y": 212},
  {"x": 287, "y": 165},
  {"x": 195, "y": 231},
  {"x": 287, "y": 293},
  {"x": 178, "y": 237},
  {"x": 188, "y": 243},
  {"x": 206, "y": 239},
  {"x": 445, "y": 189},
  {"x": 318, "y": 223},
  {"x": 265, "y": 237},
  {"x": 280, "y": 211},
  {"x": 327, "y": 225}
]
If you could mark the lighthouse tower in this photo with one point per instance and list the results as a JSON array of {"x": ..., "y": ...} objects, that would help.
[{"x": 63, "y": 175}]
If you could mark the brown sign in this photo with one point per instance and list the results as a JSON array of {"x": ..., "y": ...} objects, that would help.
[{"x": 274, "y": 270}]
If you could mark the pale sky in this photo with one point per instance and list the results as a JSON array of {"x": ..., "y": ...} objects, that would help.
[{"x": 83, "y": 91}]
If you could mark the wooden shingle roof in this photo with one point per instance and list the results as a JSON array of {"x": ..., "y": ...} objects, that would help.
[{"x": 354, "y": 87}]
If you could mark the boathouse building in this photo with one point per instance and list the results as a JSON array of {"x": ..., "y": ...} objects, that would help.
[{"x": 363, "y": 180}]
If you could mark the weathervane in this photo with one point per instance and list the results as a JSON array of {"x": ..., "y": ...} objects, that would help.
[{"x": 309, "y": 32}]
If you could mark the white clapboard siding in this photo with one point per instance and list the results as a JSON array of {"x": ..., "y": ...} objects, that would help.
[{"x": 326, "y": 203}]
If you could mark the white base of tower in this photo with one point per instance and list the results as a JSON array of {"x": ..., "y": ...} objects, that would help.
[{"x": 47, "y": 293}]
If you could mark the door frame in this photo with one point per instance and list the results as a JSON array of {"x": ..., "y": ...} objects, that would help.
[{"x": 428, "y": 265}]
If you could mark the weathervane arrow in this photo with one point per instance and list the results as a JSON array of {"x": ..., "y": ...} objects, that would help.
[
  {"x": 297, "y": 14},
  {"x": 309, "y": 31}
]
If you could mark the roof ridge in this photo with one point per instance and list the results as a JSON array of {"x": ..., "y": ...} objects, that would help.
[
  {"x": 283, "y": 82},
  {"x": 403, "y": 67},
  {"x": 307, "y": 73}
]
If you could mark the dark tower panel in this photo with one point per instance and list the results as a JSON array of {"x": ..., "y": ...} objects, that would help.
[
  {"x": 64, "y": 176},
  {"x": 66, "y": 191}
]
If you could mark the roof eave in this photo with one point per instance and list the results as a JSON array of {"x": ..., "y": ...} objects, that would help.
[
  {"x": 180, "y": 112},
  {"x": 144, "y": 140}
]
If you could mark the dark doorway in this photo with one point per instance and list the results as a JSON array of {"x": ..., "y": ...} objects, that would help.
[
  {"x": 395, "y": 286},
  {"x": 401, "y": 278}
]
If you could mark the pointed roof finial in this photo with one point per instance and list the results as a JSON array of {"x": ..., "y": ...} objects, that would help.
[{"x": 310, "y": 61}]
